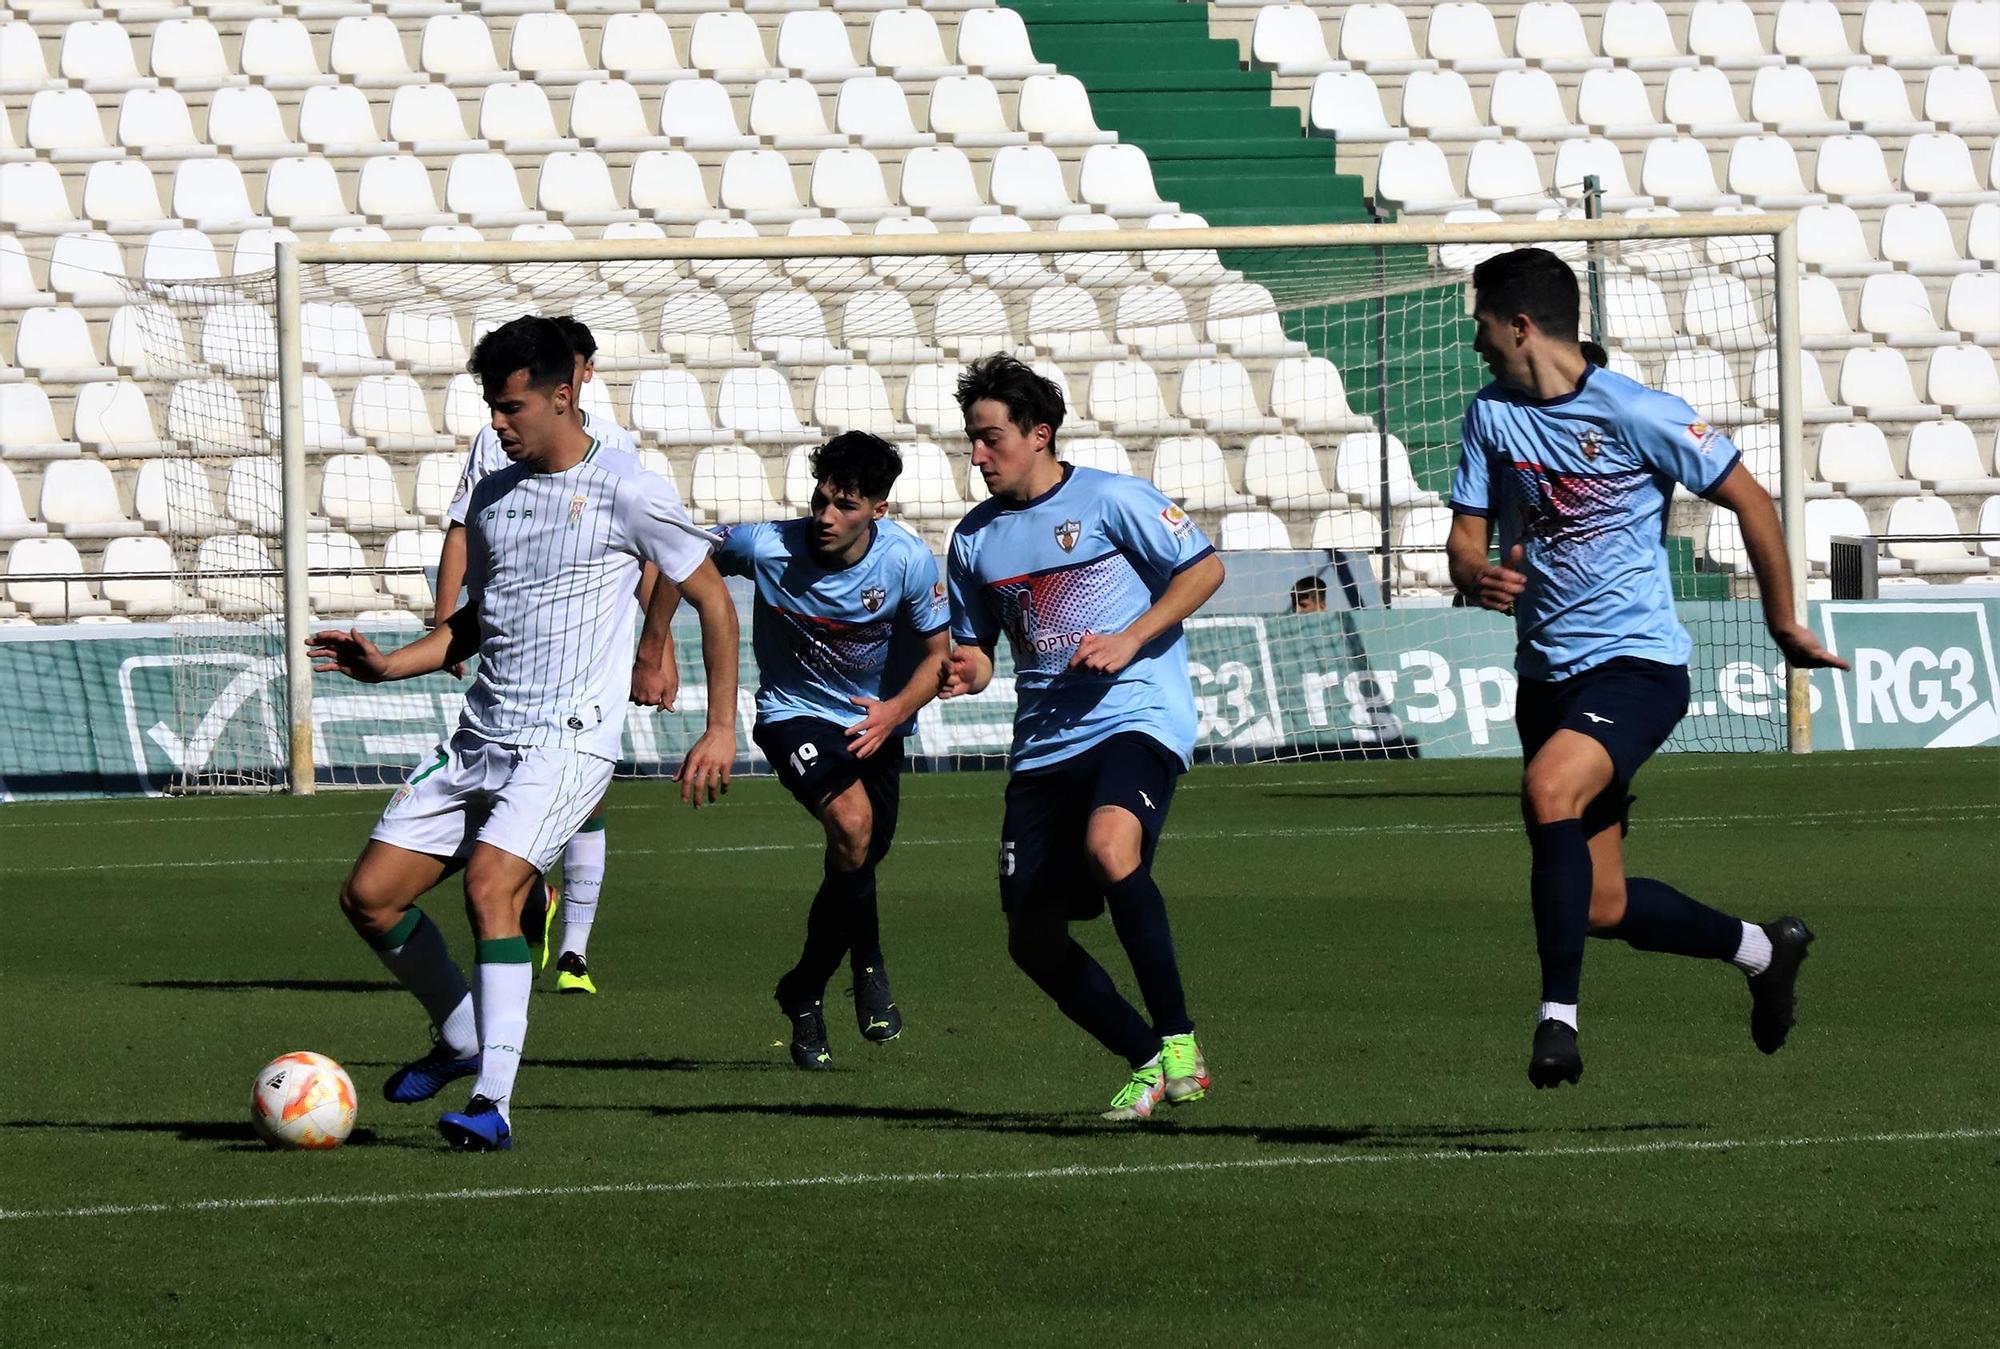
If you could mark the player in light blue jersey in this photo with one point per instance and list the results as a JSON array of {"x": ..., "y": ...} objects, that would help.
[
  {"x": 849, "y": 628},
  {"x": 655, "y": 678},
  {"x": 1577, "y": 465},
  {"x": 1089, "y": 576},
  {"x": 554, "y": 545}
]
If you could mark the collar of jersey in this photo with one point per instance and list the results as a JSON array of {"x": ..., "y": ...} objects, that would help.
[
  {"x": 1516, "y": 396},
  {"x": 1062, "y": 482}
]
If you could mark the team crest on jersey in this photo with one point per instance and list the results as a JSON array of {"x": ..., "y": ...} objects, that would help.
[
  {"x": 872, "y": 597},
  {"x": 576, "y": 505},
  {"x": 1177, "y": 521},
  {"x": 1068, "y": 532},
  {"x": 1591, "y": 442}
]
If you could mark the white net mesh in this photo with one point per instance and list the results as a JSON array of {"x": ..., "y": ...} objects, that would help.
[{"x": 1301, "y": 403}]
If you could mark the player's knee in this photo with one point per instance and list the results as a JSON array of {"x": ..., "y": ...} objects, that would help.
[
  {"x": 492, "y": 904},
  {"x": 1114, "y": 845},
  {"x": 1547, "y": 796},
  {"x": 1607, "y": 903},
  {"x": 850, "y": 829},
  {"x": 363, "y": 900}
]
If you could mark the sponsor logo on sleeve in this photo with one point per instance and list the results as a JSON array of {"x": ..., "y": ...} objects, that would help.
[
  {"x": 1178, "y": 523},
  {"x": 1704, "y": 436},
  {"x": 938, "y": 599}
]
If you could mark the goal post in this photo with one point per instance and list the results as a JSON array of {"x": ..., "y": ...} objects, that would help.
[{"x": 1345, "y": 347}]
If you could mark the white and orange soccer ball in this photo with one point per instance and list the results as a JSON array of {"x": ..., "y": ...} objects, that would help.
[{"x": 302, "y": 1100}]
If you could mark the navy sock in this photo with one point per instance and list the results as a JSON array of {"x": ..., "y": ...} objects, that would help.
[
  {"x": 1559, "y": 890},
  {"x": 1139, "y": 914},
  {"x": 1661, "y": 918},
  {"x": 864, "y": 926},
  {"x": 830, "y": 929},
  {"x": 1064, "y": 970}
]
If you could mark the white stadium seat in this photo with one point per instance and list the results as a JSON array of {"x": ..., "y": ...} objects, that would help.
[
  {"x": 143, "y": 595},
  {"x": 1347, "y": 105},
  {"x": 64, "y": 127},
  {"x": 114, "y": 418},
  {"x": 338, "y": 120},
  {"x": 1899, "y": 32},
  {"x": 459, "y": 47},
  {"x": 1724, "y": 33},
  {"x": 1055, "y": 109},
  {"x": 278, "y": 53},
  {"x": 906, "y": 42},
  {"x": 246, "y": 123},
  {"x": 1252, "y": 530},
  {"x": 1028, "y": 180},
  {"x": 994, "y": 41},
  {"x": 1191, "y": 471},
  {"x": 428, "y": 118},
  {"x": 729, "y": 47},
  {"x": 1930, "y": 557},
  {"x": 80, "y": 499},
  {"x": 1550, "y": 34},
  {"x": 1637, "y": 35},
  {"x": 1216, "y": 395},
  {"x": 1944, "y": 457},
  {"x": 730, "y": 486},
  {"x": 50, "y": 599},
  {"x": 225, "y": 568},
  {"x": 1358, "y": 471},
  {"x": 548, "y": 49},
  {"x": 1812, "y": 33},
  {"x": 1307, "y": 391},
  {"x": 1284, "y": 470},
  {"x": 358, "y": 491},
  {"x": 639, "y": 47},
  {"x": 1855, "y": 459},
  {"x": 1288, "y": 39},
  {"x": 367, "y": 53}
]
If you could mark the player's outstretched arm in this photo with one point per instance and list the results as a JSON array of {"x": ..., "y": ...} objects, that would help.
[
  {"x": 967, "y": 670},
  {"x": 351, "y": 652},
  {"x": 704, "y": 774},
  {"x": 1764, "y": 541},
  {"x": 881, "y": 716},
  {"x": 1109, "y": 652},
  {"x": 450, "y": 580},
  {"x": 1478, "y": 578},
  {"x": 656, "y": 673}
]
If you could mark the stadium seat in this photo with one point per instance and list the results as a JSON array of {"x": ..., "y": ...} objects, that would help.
[
  {"x": 930, "y": 398},
  {"x": 730, "y": 486},
  {"x": 575, "y": 187},
  {"x": 1190, "y": 470},
  {"x": 1308, "y": 393},
  {"x": 1787, "y": 100},
  {"x": 1217, "y": 396},
  {"x": 994, "y": 41},
  {"x": 606, "y": 114},
  {"x": 1937, "y": 166},
  {"x": 1851, "y": 168},
  {"x": 848, "y": 182},
  {"x": 907, "y": 44},
  {"x": 965, "y": 109},
  {"x": 395, "y": 191},
  {"x": 730, "y": 47},
  {"x": 1347, "y": 531},
  {"x": 146, "y": 342},
  {"x": 1242, "y": 318},
  {"x": 1823, "y": 321},
  {"x": 971, "y": 322},
  {"x": 50, "y": 599},
  {"x": 639, "y": 47},
  {"x": 1357, "y": 470},
  {"x": 667, "y": 186},
  {"x": 853, "y": 398},
  {"x": 358, "y": 491},
  {"x": 206, "y": 415},
  {"x": 1722, "y": 311},
  {"x": 1833, "y": 516},
  {"x": 1722, "y": 543},
  {"x": 1812, "y": 33},
  {"x": 1637, "y": 35},
  {"x": 1899, "y": 32},
  {"x": 1875, "y": 381},
  {"x": 1963, "y": 380},
  {"x": 1831, "y": 241},
  {"x": 80, "y": 499},
  {"x": 1930, "y": 557},
  {"x": 786, "y": 113},
  {"x": 1414, "y": 178},
  {"x": 879, "y": 326},
  {"x": 1764, "y": 171},
  {"x": 97, "y": 54},
  {"x": 459, "y": 47},
  {"x": 278, "y": 53},
  {"x": 210, "y": 195},
  {"x": 1377, "y": 38},
  {"x": 143, "y": 596},
  {"x": 1944, "y": 457},
  {"x": 1989, "y": 524},
  {"x": 1588, "y": 156},
  {"x": 1637, "y": 316},
  {"x": 757, "y": 185},
  {"x": 826, "y": 275},
  {"x": 1125, "y": 397},
  {"x": 1064, "y": 322},
  {"x": 28, "y": 425},
  {"x": 1982, "y": 234},
  {"x": 334, "y": 340},
  {"x": 1055, "y": 109},
  {"x": 790, "y": 328},
  {"x": 1972, "y": 30},
  {"x": 1437, "y": 105},
  {"x": 669, "y": 406},
  {"x": 757, "y": 405},
  {"x": 937, "y": 181},
  {"x": 1701, "y": 102},
  {"x": 120, "y": 197},
  {"x": 518, "y": 118},
  {"x": 19, "y": 289},
  {"x": 337, "y": 120},
  {"x": 1972, "y": 307},
  {"x": 1118, "y": 180},
  {"x": 32, "y": 199},
  {"x": 1505, "y": 175},
  {"x": 414, "y": 548},
  {"x": 1421, "y": 559},
  {"x": 324, "y": 428},
  {"x": 547, "y": 48},
  {"x": 1527, "y": 104},
  {"x": 1855, "y": 458},
  {"x": 53, "y": 343},
  {"x": 251, "y": 497},
  {"x": 22, "y": 69},
  {"x": 1679, "y": 172},
  {"x": 1550, "y": 34},
  {"x": 1102, "y": 453},
  {"x": 1288, "y": 38},
  {"x": 1961, "y": 99},
  {"x": 245, "y": 123},
  {"x": 1614, "y": 103},
  {"x": 1252, "y": 530},
  {"x": 390, "y": 412},
  {"x": 1895, "y": 308},
  {"x": 927, "y": 488},
  {"x": 63, "y": 127},
  {"x": 1724, "y": 34},
  {"x": 1874, "y": 101},
  {"x": 1027, "y": 180},
  {"x": 1153, "y": 320},
  {"x": 113, "y": 418},
  {"x": 1346, "y": 105},
  {"x": 482, "y": 188},
  {"x": 428, "y": 118},
  {"x": 336, "y": 582},
  {"x": 304, "y": 193},
  {"x": 366, "y": 52},
  {"x": 225, "y": 575},
  {"x": 873, "y": 110},
  {"x": 1465, "y": 37},
  {"x": 1284, "y": 470}
]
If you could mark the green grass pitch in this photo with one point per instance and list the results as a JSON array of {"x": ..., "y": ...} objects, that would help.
[{"x": 1372, "y": 1167}]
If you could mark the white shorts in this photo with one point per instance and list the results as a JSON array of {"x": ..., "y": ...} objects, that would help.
[{"x": 522, "y": 799}]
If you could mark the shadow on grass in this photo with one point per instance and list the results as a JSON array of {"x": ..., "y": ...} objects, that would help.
[
  {"x": 271, "y": 985},
  {"x": 1346, "y": 794},
  {"x": 621, "y": 1065},
  {"x": 227, "y": 1135},
  {"x": 1430, "y": 1137}
]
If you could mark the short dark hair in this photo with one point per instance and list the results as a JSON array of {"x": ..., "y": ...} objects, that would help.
[
  {"x": 857, "y": 462},
  {"x": 1031, "y": 399},
  {"x": 1594, "y": 353},
  {"x": 1531, "y": 281},
  {"x": 531, "y": 343},
  {"x": 1308, "y": 588},
  {"x": 580, "y": 340}
]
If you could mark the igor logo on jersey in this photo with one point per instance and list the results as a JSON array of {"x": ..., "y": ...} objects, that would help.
[
  {"x": 872, "y": 597},
  {"x": 1177, "y": 521},
  {"x": 1068, "y": 532}
]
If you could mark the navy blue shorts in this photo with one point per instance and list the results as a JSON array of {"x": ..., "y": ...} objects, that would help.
[
  {"x": 1043, "y": 859},
  {"x": 1628, "y": 705},
  {"x": 814, "y": 761}
]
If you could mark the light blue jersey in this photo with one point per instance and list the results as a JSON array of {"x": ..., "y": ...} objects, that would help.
[
  {"x": 826, "y": 637},
  {"x": 1583, "y": 483},
  {"x": 1089, "y": 555}
]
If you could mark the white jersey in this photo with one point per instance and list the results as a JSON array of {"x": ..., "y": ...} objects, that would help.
[
  {"x": 486, "y": 457},
  {"x": 552, "y": 560}
]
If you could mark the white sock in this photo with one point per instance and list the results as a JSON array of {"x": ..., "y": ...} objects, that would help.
[
  {"x": 502, "y": 995},
  {"x": 583, "y": 879},
  {"x": 1564, "y": 1012},
  {"x": 1753, "y": 953},
  {"x": 423, "y": 965}
]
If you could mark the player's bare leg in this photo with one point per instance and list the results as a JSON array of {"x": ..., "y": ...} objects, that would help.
[
  {"x": 497, "y": 887},
  {"x": 379, "y": 898}
]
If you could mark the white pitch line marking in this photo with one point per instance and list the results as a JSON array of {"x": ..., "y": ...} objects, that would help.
[
  {"x": 1077, "y": 1172},
  {"x": 1935, "y": 814}
]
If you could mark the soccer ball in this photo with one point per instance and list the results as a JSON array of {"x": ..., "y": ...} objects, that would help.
[{"x": 302, "y": 1100}]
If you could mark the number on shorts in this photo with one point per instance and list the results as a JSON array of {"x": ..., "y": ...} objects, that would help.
[
  {"x": 1006, "y": 859},
  {"x": 804, "y": 755}
]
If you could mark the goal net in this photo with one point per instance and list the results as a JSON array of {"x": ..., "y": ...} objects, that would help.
[{"x": 1300, "y": 399}]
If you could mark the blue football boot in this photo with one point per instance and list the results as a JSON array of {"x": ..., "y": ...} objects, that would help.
[
  {"x": 425, "y": 1078},
  {"x": 480, "y": 1127}
]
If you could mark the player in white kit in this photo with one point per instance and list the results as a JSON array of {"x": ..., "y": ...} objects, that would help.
[
  {"x": 553, "y": 547},
  {"x": 655, "y": 678}
]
